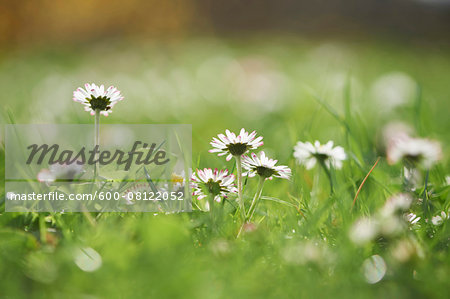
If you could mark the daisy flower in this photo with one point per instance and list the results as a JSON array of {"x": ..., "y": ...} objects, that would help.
[
  {"x": 396, "y": 203},
  {"x": 95, "y": 98},
  {"x": 420, "y": 151},
  {"x": 309, "y": 154},
  {"x": 212, "y": 182},
  {"x": 264, "y": 167},
  {"x": 231, "y": 145},
  {"x": 440, "y": 218},
  {"x": 64, "y": 172},
  {"x": 364, "y": 230},
  {"x": 178, "y": 180}
]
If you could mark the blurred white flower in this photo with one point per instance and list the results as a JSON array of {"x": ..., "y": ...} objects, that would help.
[
  {"x": 264, "y": 167},
  {"x": 308, "y": 251},
  {"x": 178, "y": 180},
  {"x": 413, "y": 176},
  {"x": 395, "y": 131},
  {"x": 397, "y": 203},
  {"x": 10, "y": 195},
  {"x": 233, "y": 145},
  {"x": 391, "y": 225},
  {"x": 214, "y": 182},
  {"x": 416, "y": 151},
  {"x": 309, "y": 154},
  {"x": 364, "y": 230},
  {"x": 405, "y": 250},
  {"x": 97, "y": 98},
  {"x": 255, "y": 80},
  {"x": 393, "y": 90},
  {"x": 388, "y": 220},
  {"x": 64, "y": 172},
  {"x": 220, "y": 247},
  {"x": 439, "y": 219}
]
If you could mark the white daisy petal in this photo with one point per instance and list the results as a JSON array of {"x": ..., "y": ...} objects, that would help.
[
  {"x": 97, "y": 98},
  {"x": 264, "y": 166},
  {"x": 308, "y": 154},
  {"x": 231, "y": 145},
  {"x": 218, "y": 182}
]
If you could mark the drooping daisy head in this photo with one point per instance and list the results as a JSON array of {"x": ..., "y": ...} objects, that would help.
[
  {"x": 309, "y": 154},
  {"x": 95, "y": 97},
  {"x": 61, "y": 172},
  {"x": 414, "y": 151},
  {"x": 214, "y": 182},
  {"x": 264, "y": 167},
  {"x": 231, "y": 145}
]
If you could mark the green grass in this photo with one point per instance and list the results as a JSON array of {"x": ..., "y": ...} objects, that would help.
[{"x": 319, "y": 91}]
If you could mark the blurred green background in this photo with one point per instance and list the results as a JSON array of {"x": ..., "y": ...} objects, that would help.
[{"x": 262, "y": 65}]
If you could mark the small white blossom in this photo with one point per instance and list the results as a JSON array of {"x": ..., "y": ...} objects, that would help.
[
  {"x": 391, "y": 225},
  {"x": 393, "y": 90},
  {"x": 417, "y": 151},
  {"x": 310, "y": 154},
  {"x": 95, "y": 97},
  {"x": 307, "y": 252},
  {"x": 439, "y": 219},
  {"x": 364, "y": 230},
  {"x": 405, "y": 250},
  {"x": 232, "y": 145},
  {"x": 396, "y": 203},
  {"x": 217, "y": 183},
  {"x": 65, "y": 172},
  {"x": 265, "y": 167}
]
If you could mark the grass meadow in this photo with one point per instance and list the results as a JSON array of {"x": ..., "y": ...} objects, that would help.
[{"x": 299, "y": 243}]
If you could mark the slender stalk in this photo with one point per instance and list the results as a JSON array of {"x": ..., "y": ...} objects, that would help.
[
  {"x": 256, "y": 198},
  {"x": 426, "y": 208},
  {"x": 86, "y": 213},
  {"x": 240, "y": 230},
  {"x": 97, "y": 141},
  {"x": 315, "y": 191},
  {"x": 42, "y": 229},
  {"x": 408, "y": 176},
  {"x": 327, "y": 171},
  {"x": 211, "y": 206},
  {"x": 239, "y": 181}
]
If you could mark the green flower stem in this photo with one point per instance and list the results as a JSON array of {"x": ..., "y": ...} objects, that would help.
[
  {"x": 327, "y": 171},
  {"x": 239, "y": 182},
  {"x": 211, "y": 205},
  {"x": 214, "y": 214},
  {"x": 256, "y": 198},
  {"x": 408, "y": 182},
  {"x": 97, "y": 141},
  {"x": 42, "y": 229},
  {"x": 426, "y": 204}
]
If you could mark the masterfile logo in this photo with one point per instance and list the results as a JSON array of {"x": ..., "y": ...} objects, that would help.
[{"x": 60, "y": 168}]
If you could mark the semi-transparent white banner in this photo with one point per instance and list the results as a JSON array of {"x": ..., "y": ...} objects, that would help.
[{"x": 131, "y": 168}]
